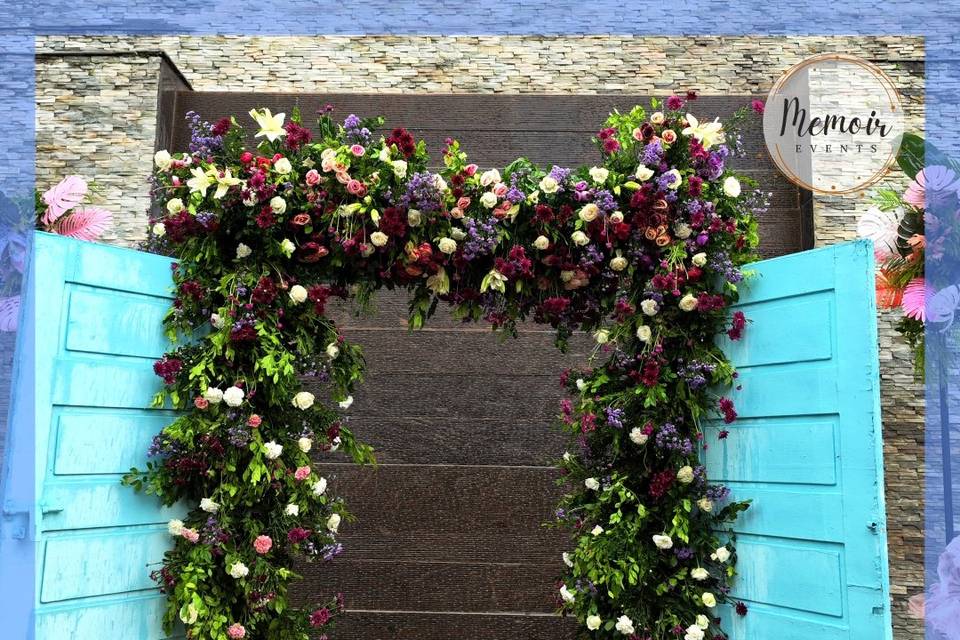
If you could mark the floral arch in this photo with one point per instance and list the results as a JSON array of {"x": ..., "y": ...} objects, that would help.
[{"x": 643, "y": 250}]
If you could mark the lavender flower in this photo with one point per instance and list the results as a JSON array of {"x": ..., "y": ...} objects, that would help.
[
  {"x": 355, "y": 132},
  {"x": 652, "y": 154},
  {"x": 202, "y": 141},
  {"x": 422, "y": 193},
  {"x": 482, "y": 237},
  {"x": 670, "y": 439}
]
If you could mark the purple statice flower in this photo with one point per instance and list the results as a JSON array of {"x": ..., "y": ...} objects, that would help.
[
  {"x": 697, "y": 374},
  {"x": 560, "y": 175},
  {"x": 663, "y": 182},
  {"x": 683, "y": 553},
  {"x": 202, "y": 141},
  {"x": 331, "y": 551},
  {"x": 721, "y": 263},
  {"x": 670, "y": 439},
  {"x": 207, "y": 219},
  {"x": 355, "y": 132},
  {"x": 422, "y": 193},
  {"x": 717, "y": 493},
  {"x": 238, "y": 435},
  {"x": 605, "y": 201},
  {"x": 652, "y": 154},
  {"x": 614, "y": 417},
  {"x": 591, "y": 256},
  {"x": 482, "y": 237}
]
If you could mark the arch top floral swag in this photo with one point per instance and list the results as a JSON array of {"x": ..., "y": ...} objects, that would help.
[{"x": 643, "y": 250}]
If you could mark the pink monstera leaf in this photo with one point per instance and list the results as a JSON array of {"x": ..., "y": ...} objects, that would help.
[
  {"x": 916, "y": 295},
  {"x": 86, "y": 223},
  {"x": 62, "y": 197},
  {"x": 9, "y": 313}
]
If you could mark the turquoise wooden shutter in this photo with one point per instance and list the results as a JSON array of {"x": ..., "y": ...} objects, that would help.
[
  {"x": 807, "y": 450},
  {"x": 98, "y": 331}
]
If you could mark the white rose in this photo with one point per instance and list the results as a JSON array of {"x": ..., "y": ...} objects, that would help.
[
  {"x": 489, "y": 199},
  {"x": 591, "y": 483},
  {"x": 700, "y": 574},
  {"x": 213, "y": 395},
  {"x": 581, "y": 384},
  {"x": 731, "y": 187},
  {"x": 304, "y": 444},
  {"x": 319, "y": 487},
  {"x": 625, "y": 625},
  {"x": 439, "y": 182},
  {"x": 175, "y": 205},
  {"x": 333, "y": 351},
  {"x": 287, "y": 247},
  {"x": 688, "y": 302},
  {"x": 566, "y": 559},
  {"x": 589, "y": 212},
  {"x": 233, "y": 396},
  {"x": 616, "y": 217},
  {"x": 273, "y": 450},
  {"x": 278, "y": 204},
  {"x": 216, "y": 322},
  {"x": 159, "y": 230},
  {"x": 549, "y": 184},
  {"x": 384, "y": 154},
  {"x": 644, "y": 333},
  {"x": 542, "y": 243},
  {"x": 705, "y": 505},
  {"x": 637, "y": 436},
  {"x": 414, "y": 218},
  {"x": 243, "y": 250},
  {"x": 643, "y": 173},
  {"x": 175, "y": 527},
  {"x": 249, "y": 199},
  {"x": 722, "y": 554},
  {"x": 282, "y": 166},
  {"x": 703, "y": 621},
  {"x": 663, "y": 542},
  {"x": 346, "y": 402},
  {"x": 685, "y": 474},
  {"x": 238, "y": 570},
  {"x": 682, "y": 230},
  {"x": 162, "y": 159},
  {"x": 292, "y": 510},
  {"x": 399, "y": 168},
  {"x": 694, "y": 633},
  {"x": 597, "y": 530},
  {"x": 593, "y": 622},
  {"x": 333, "y": 523},
  {"x": 599, "y": 174},
  {"x": 379, "y": 238},
  {"x": 674, "y": 178},
  {"x": 566, "y": 595},
  {"x": 618, "y": 264},
  {"x": 209, "y": 505},
  {"x": 650, "y": 307},
  {"x": 579, "y": 238},
  {"x": 709, "y": 600},
  {"x": 490, "y": 177},
  {"x": 458, "y": 234},
  {"x": 699, "y": 259},
  {"x": 298, "y": 294},
  {"x": 303, "y": 400},
  {"x": 447, "y": 245},
  {"x": 602, "y": 336}
]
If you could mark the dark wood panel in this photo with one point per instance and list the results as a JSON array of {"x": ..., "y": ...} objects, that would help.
[
  {"x": 380, "y": 625},
  {"x": 449, "y": 514},
  {"x": 433, "y": 586}
]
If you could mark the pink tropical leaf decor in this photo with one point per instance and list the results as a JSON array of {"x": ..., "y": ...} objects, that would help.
[
  {"x": 915, "y": 297},
  {"x": 87, "y": 223},
  {"x": 881, "y": 227},
  {"x": 62, "y": 197},
  {"x": 9, "y": 313}
]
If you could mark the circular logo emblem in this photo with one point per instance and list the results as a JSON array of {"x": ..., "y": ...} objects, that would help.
[{"x": 833, "y": 124}]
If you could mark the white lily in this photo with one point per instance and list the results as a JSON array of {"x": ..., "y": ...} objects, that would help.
[
  {"x": 200, "y": 181},
  {"x": 708, "y": 133},
  {"x": 224, "y": 182},
  {"x": 270, "y": 125}
]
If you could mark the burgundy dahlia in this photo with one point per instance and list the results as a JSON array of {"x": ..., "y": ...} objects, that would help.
[
  {"x": 320, "y": 617},
  {"x": 167, "y": 368}
]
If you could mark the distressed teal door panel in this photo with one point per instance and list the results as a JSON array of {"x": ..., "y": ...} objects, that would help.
[
  {"x": 806, "y": 451},
  {"x": 98, "y": 318}
]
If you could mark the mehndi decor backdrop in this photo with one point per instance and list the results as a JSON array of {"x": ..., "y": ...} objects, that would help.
[{"x": 643, "y": 250}]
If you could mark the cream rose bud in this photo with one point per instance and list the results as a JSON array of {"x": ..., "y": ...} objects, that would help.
[
  {"x": 541, "y": 243},
  {"x": 213, "y": 395},
  {"x": 303, "y": 400},
  {"x": 731, "y": 187},
  {"x": 599, "y": 174},
  {"x": 287, "y": 247},
  {"x": 643, "y": 173},
  {"x": 238, "y": 570},
  {"x": 650, "y": 307},
  {"x": 175, "y": 527},
  {"x": 175, "y": 205},
  {"x": 439, "y": 183},
  {"x": 566, "y": 559},
  {"x": 597, "y": 530},
  {"x": 304, "y": 444},
  {"x": 685, "y": 474},
  {"x": 233, "y": 396},
  {"x": 663, "y": 542},
  {"x": 319, "y": 487},
  {"x": 593, "y": 622},
  {"x": 447, "y": 245},
  {"x": 581, "y": 384},
  {"x": 637, "y": 436},
  {"x": 278, "y": 204},
  {"x": 399, "y": 168},
  {"x": 657, "y": 117},
  {"x": 458, "y": 234},
  {"x": 722, "y": 554},
  {"x": 414, "y": 218},
  {"x": 333, "y": 523},
  {"x": 488, "y": 199},
  {"x": 602, "y": 336},
  {"x": 243, "y": 251},
  {"x": 699, "y": 574},
  {"x": 625, "y": 626},
  {"x": 566, "y": 595},
  {"x": 688, "y": 302},
  {"x": 162, "y": 159},
  {"x": 490, "y": 177},
  {"x": 567, "y": 457},
  {"x": 282, "y": 166},
  {"x": 693, "y": 633},
  {"x": 703, "y": 621},
  {"x": 709, "y": 600},
  {"x": 384, "y": 154},
  {"x": 549, "y": 184},
  {"x": 644, "y": 333},
  {"x": 591, "y": 483},
  {"x": 292, "y": 510},
  {"x": 616, "y": 217},
  {"x": 333, "y": 351},
  {"x": 618, "y": 264},
  {"x": 579, "y": 238},
  {"x": 379, "y": 238},
  {"x": 216, "y": 321},
  {"x": 159, "y": 229},
  {"x": 272, "y": 450},
  {"x": 209, "y": 505},
  {"x": 699, "y": 259},
  {"x": 298, "y": 294},
  {"x": 346, "y": 402},
  {"x": 682, "y": 230},
  {"x": 705, "y": 505},
  {"x": 589, "y": 212}
]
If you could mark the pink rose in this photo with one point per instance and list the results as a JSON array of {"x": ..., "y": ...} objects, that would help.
[
  {"x": 637, "y": 134},
  {"x": 343, "y": 177},
  {"x": 501, "y": 190},
  {"x": 302, "y": 473},
  {"x": 354, "y": 187},
  {"x": 254, "y": 421},
  {"x": 313, "y": 177},
  {"x": 190, "y": 535},
  {"x": 200, "y": 402},
  {"x": 463, "y": 202},
  {"x": 669, "y": 136},
  {"x": 470, "y": 169},
  {"x": 236, "y": 630},
  {"x": 357, "y": 150},
  {"x": 262, "y": 544}
]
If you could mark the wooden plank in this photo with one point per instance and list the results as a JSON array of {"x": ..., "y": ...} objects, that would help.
[{"x": 386, "y": 625}]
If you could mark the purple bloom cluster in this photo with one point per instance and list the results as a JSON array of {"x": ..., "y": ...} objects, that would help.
[
  {"x": 422, "y": 193},
  {"x": 670, "y": 439},
  {"x": 652, "y": 154},
  {"x": 697, "y": 374},
  {"x": 712, "y": 166},
  {"x": 717, "y": 493},
  {"x": 605, "y": 201},
  {"x": 721, "y": 263},
  {"x": 355, "y": 132},
  {"x": 482, "y": 237},
  {"x": 331, "y": 551},
  {"x": 560, "y": 175},
  {"x": 202, "y": 141},
  {"x": 238, "y": 435},
  {"x": 614, "y": 417}
]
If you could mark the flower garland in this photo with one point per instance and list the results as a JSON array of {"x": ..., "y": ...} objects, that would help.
[{"x": 644, "y": 250}]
